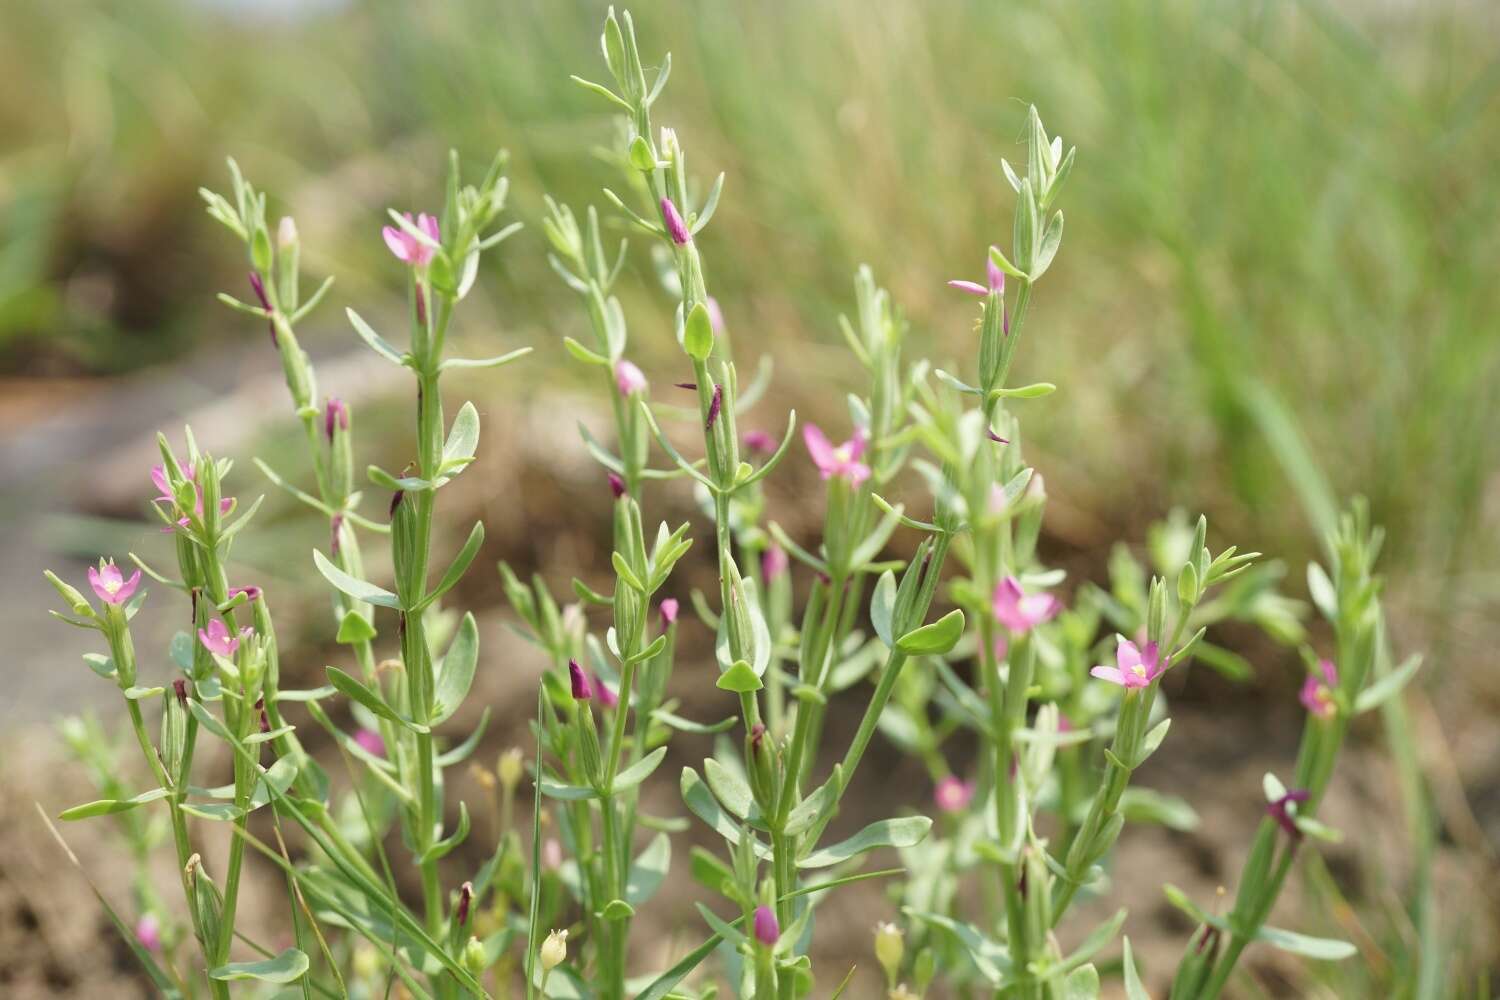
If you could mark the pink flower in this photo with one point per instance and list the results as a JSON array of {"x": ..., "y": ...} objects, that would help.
[
  {"x": 160, "y": 480},
  {"x": 110, "y": 584},
  {"x": 668, "y": 609},
  {"x": 582, "y": 691},
  {"x": 217, "y": 638},
  {"x": 676, "y": 228},
  {"x": 1019, "y": 611},
  {"x": 767, "y": 929},
  {"x": 335, "y": 414},
  {"x": 148, "y": 932},
  {"x": 994, "y": 277},
  {"x": 773, "y": 562},
  {"x": 952, "y": 794},
  {"x": 607, "y": 698},
  {"x": 1134, "y": 668},
  {"x": 370, "y": 742},
  {"x": 616, "y": 485},
  {"x": 407, "y": 247},
  {"x": 760, "y": 442},
  {"x": 252, "y": 593},
  {"x": 629, "y": 378},
  {"x": 843, "y": 460},
  {"x": 1317, "y": 692}
]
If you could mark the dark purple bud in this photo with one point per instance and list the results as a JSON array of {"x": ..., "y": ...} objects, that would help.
[
  {"x": 687, "y": 385},
  {"x": 714, "y": 405},
  {"x": 1208, "y": 941},
  {"x": 1278, "y": 811},
  {"x": 998, "y": 438},
  {"x": 1021, "y": 883},
  {"x": 335, "y": 414},
  {"x": 401, "y": 626},
  {"x": 265, "y": 720},
  {"x": 581, "y": 689},
  {"x": 676, "y": 228},
  {"x": 757, "y": 734},
  {"x": 259, "y": 287},
  {"x": 179, "y": 687},
  {"x": 616, "y": 485},
  {"x": 465, "y": 897},
  {"x": 767, "y": 929},
  {"x": 396, "y": 501}
]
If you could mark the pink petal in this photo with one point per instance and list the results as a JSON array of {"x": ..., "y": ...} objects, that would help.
[
  {"x": 856, "y": 473},
  {"x": 398, "y": 242},
  {"x": 820, "y": 449},
  {"x": 857, "y": 444},
  {"x": 971, "y": 287},
  {"x": 429, "y": 225},
  {"x": 1110, "y": 674},
  {"x": 1127, "y": 655}
]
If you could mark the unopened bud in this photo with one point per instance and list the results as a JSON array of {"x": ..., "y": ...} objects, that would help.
[
  {"x": 510, "y": 767},
  {"x": 465, "y": 897},
  {"x": 890, "y": 946},
  {"x": 582, "y": 691},
  {"x": 474, "y": 957},
  {"x": 286, "y": 233},
  {"x": 554, "y": 950}
]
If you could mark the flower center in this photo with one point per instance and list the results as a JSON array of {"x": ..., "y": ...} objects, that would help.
[
  {"x": 843, "y": 453},
  {"x": 113, "y": 586},
  {"x": 1139, "y": 670}
]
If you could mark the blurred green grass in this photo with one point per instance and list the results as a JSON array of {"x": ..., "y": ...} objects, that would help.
[{"x": 1282, "y": 230}]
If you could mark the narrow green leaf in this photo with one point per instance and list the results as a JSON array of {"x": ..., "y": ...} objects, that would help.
[
  {"x": 639, "y": 771},
  {"x": 105, "y": 807},
  {"x": 456, "y": 673},
  {"x": 936, "y": 638},
  {"x": 360, "y": 590},
  {"x": 369, "y": 699},
  {"x": 1323, "y": 949},
  {"x": 377, "y": 343},
  {"x": 903, "y": 832},
  {"x": 288, "y": 967}
]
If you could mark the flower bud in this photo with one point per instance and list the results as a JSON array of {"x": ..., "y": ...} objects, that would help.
[
  {"x": 286, "y": 233},
  {"x": 582, "y": 690},
  {"x": 890, "y": 946},
  {"x": 554, "y": 950},
  {"x": 629, "y": 379},
  {"x": 474, "y": 958},
  {"x": 676, "y": 228},
  {"x": 616, "y": 486},
  {"x": 465, "y": 898},
  {"x": 510, "y": 768},
  {"x": 767, "y": 929}
]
